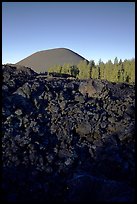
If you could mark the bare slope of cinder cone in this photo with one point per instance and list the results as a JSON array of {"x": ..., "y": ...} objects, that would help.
[{"x": 42, "y": 60}]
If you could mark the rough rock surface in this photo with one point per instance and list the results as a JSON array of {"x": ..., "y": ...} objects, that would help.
[{"x": 66, "y": 140}]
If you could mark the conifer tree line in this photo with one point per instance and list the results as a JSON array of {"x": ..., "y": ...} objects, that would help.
[{"x": 119, "y": 71}]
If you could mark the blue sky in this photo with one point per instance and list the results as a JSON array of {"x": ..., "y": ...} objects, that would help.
[{"x": 92, "y": 29}]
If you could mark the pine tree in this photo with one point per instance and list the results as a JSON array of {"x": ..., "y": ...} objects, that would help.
[
  {"x": 116, "y": 60},
  {"x": 83, "y": 70},
  {"x": 102, "y": 71},
  {"x": 91, "y": 65},
  {"x": 120, "y": 61},
  {"x": 74, "y": 70},
  {"x": 100, "y": 61},
  {"x": 66, "y": 69},
  {"x": 122, "y": 72},
  {"x": 108, "y": 69},
  {"x": 99, "y": 73},
  {"x": 118, "y": 76}
]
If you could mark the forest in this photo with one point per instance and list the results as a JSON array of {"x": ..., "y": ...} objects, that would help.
[{"x": 119, "y": 71}]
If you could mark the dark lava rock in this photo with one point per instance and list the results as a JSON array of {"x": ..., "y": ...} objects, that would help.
[
  {"x": 66, "y": 140},
  {"x": 86, "y": 188}
]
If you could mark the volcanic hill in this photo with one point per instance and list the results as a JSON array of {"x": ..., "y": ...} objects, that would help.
[{"x": 42, "y": 60}]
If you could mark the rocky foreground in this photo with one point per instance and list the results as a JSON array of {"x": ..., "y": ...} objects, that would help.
[{"x": 66, "y": 140}]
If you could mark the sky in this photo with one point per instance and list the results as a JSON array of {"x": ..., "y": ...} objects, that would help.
[{"x": 95, "y": 30}]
